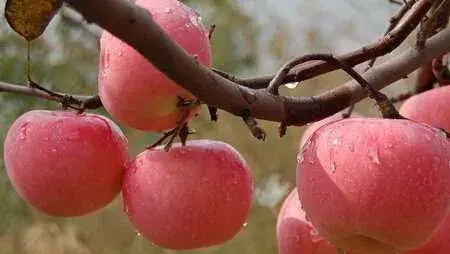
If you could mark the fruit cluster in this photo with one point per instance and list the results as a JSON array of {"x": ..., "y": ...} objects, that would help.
[
  {"x": 364, "y": 185},
  {"x": 70, "y": 163}
]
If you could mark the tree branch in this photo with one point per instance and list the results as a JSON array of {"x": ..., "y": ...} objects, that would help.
[
  {"x": 398, "y": 32},
  {"x": 135, "y": 26},
  {"x": 76, "y": 101}
]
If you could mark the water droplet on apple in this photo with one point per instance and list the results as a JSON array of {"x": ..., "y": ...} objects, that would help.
[
  {"x": 138, "y": 234},
  {"x": 245, "y": 224},
  {"x": 292, "y": 85},
  {"x": 23, "y": 131},
  {"x": 332, "y": 166},
  {"x": 351, "y": 147},
  {"x": 125, "y": 209},
  {"x": 373, "y": 154}
]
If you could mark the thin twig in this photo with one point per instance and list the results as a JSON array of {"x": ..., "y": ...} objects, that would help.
[
  {"x": 393, "y": 22},
  {"x": 381, "y": 47},
  {"x": 252, "y": 124},
  {"x": 438, "y": 20},
  {"x": 77, "y": 101}
]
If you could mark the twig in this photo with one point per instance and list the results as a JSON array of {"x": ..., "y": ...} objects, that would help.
[
  {"x": 383, "y": 46},
  {"x": 252, "y": 124},
  {"x": 438, "y": 21},
  {"x": 393, "y": 22},
  {"x": 135, "y": 26},
  {"x": 75, "y": 101}
]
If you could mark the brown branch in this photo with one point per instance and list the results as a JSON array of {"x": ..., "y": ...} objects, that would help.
[
  {"x": 439, "y": 19},
  {"x": 384, "y": 46},
  {"x": 135, "y": 26},
  {"x": 75, "y": 101},
  {"x": 393, "y": 22}
]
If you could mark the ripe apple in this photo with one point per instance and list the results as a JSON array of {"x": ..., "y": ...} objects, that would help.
[
  {"x": 134, "y": 91},
  {"x": 439, "y": 242},
  {"x": 295, "y": 234},
  {"x": 316, "y": 125},
  {"x": 192, "y": 196},
  {"x": 65, "y": 163},
  {"x": 431, "y": 107},
  {"x": 375, "y": 185}
]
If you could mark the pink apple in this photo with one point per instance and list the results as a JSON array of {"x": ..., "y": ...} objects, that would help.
[
  {"x": 295, "y": 234},
  {"x": 194, "y": 196},
  {"x": 439, "y": 242},
  {"x": 316, "y": 125},
  {"x": 375, "y": 185},
  {"x": 431, "y": 107},
  {"x": 64, "y": 163},
  {"x": 134, "y": 91}
]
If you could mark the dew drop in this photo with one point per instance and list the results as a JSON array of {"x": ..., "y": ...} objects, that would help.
[
  {"x": 373, "y": 154},
  {"x": 292, "y": 85},
  {"x": 23, "y": 131},
  {"x": 332, "y": 166},
  {"x": 245, "y": 224},
  {"x": 139, "y": 234},
  {"x": 351, "y": 147},
  {"x": 125, "y": 209},
  {"x": 168, "y": 10},
  {"x": 336, "y": 142}
]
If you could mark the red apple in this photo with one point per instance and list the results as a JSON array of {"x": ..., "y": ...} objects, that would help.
[
  {"x": 375, "y": 185},
  {"x": 64, "y": 163},
  {"x": 295, "y": 234},
  {"x": 431, "y": 107},
  {"x": 439, "y": 242},
  {"x": 316, "y": 125},
  {"x": 134, "y": 91},
  {"x": 194, "y": 196}
]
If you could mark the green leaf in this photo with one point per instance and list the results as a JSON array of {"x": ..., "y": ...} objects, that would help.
[{"x": 29, "y": 18}]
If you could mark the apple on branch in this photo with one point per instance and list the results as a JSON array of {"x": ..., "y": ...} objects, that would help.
[
  {"x": 192, "y": 196},
  {"x": 375, "y": 185},
  {"x": 65, "y": 163},
  {"x": 132, "y": 89}
]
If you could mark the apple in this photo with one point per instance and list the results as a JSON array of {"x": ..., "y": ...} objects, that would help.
[
  {"x": 375, "y": 185},
  {"x": 316, "y": 125},
  {"x": 295, "y": 234},
  {"x": 133, "y": 90},
  {"x": 439, "y": 242},
  {"x": 430, "y": 107},
  {"x": 64, "y": 163},
  {"x": 192, "y": 196}
]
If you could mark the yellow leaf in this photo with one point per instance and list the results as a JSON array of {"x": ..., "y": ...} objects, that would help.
[{"x": 29, "y": 18}]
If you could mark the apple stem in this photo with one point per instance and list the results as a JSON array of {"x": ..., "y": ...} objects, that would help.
[{"x": 182, "y": 130}]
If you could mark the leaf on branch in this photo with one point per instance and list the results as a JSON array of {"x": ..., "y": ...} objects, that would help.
[{"x": 29, "y": 18}]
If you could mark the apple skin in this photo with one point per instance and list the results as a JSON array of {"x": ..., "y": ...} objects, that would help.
[
  {"x": 316, "y": 125},
  {"x": 133, "y": 90},
  {"x": 295, "y": 234},
  {"x": 375, "y": 185},
  {"x": 431, "y": 107},
  {"x": 439, "y": 242},
  {"x": 190, "y": 197},
  {"x": 64, "y": 163}
]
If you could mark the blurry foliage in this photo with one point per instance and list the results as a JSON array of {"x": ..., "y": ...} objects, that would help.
[{"x": 65, "y": 59}]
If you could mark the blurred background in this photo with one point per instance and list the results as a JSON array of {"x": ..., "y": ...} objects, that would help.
[{"x": 253, "y": 37}]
